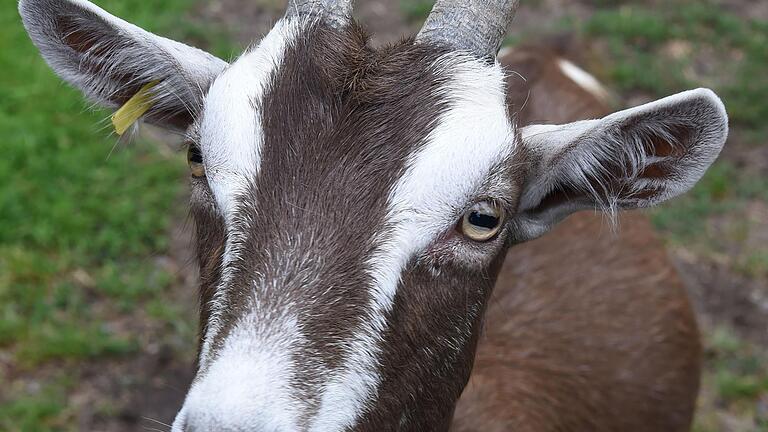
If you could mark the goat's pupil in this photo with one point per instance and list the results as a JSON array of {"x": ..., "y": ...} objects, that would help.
[
  {"x": 195, "y": 155},
  {"x": 483, "y": 220}
]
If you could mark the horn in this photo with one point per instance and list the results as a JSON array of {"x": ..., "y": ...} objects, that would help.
[
  {"x": 337, "y": 12},
  {"x": 477, "y": 26}
]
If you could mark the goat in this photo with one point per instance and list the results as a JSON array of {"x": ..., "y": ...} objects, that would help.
[
  {"x": 354, "y": 206},
  {"x": 560, "y": 353}
]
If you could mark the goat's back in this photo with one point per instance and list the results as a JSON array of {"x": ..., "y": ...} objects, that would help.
[{"x": 588, "y": 330}]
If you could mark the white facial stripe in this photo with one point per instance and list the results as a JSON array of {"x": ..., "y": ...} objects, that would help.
[
  {"x": 248, "y": 387},
  {"x": 472, "y": 137},
  {"x": 231, "y": 141},
  {"x": 231, "y": 132}
]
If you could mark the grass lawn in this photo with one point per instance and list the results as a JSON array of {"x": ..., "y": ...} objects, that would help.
[{"x": 80, "y": 223}]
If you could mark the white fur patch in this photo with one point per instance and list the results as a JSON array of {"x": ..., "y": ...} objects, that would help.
[
  {"x": 231, "y": 142},
  {"x": 584, "y": 79},
  {"x": 248, "y": 387},
  {"x": 231, "y": 130},
  {"x": 472, "y": 137}
]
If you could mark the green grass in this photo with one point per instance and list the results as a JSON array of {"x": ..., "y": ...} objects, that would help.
[
  {"x": 39, "y": 410},
  {"x": 714, "y": 219},
  {"x": 740, "y": 368},
  {"x": 723, "y": 189},
  {"x": 79, "y": 223},
  {"x": 716, "y": 48},
  {"x": 65, "y": 202},
  {"x": 686, "y": 220},
  {"x": 735, "y": 380}
]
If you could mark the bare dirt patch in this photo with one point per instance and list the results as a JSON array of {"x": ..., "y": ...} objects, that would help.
[{"x": 247, "y": 21}]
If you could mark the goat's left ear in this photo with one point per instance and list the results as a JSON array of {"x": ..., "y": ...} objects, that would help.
[
  {"x": 110, "y": 60},
  {"x": 631, "y": 159}
]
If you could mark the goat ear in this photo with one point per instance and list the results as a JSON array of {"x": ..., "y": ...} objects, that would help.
[
  {"x": 110, "y": 60},
  {"x": 631, "y": 159}
]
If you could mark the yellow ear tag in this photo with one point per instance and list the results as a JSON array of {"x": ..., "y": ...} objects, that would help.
[{"x": 136, "y": 107}]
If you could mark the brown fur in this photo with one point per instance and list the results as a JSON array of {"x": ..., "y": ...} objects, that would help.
[
  {"x": 569, "y": 345},
  {"x": 586, "y": 330},
  {"x": 542, "y": 94}
]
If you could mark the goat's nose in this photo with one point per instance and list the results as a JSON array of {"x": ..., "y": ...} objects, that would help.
[{"x": 240, "y": 393}]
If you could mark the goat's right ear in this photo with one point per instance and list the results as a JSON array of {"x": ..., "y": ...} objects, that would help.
[
  {"x": 631, "y": 159},
  {"x": 110, "y": 60}
]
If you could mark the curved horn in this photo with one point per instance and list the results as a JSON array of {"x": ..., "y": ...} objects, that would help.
[
  {"x": 337, "y": 12},
  {"x": 478, "y": 26}
]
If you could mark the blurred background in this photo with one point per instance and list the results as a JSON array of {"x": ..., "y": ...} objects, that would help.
[{"x": 97, "y": 290}]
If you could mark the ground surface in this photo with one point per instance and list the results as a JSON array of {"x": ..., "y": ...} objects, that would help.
[{"x": 97, "y": 289}]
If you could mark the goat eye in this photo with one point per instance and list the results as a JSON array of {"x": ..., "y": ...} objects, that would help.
[
  {"x": 482, "y": 222},
  {"x": 195, "y": 161}
]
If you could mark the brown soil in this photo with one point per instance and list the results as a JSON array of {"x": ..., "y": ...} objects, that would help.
[
  {"x": 247, "y": 20},
  {"x": 722, "y": 297}
]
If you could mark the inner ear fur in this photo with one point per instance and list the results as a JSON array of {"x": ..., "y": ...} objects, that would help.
[{"x": 631, "y": 159}]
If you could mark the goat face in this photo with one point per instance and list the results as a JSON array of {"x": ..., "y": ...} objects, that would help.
[
  {"x": 336, "y": 195},
  {"x": 353, "y": 205}
]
